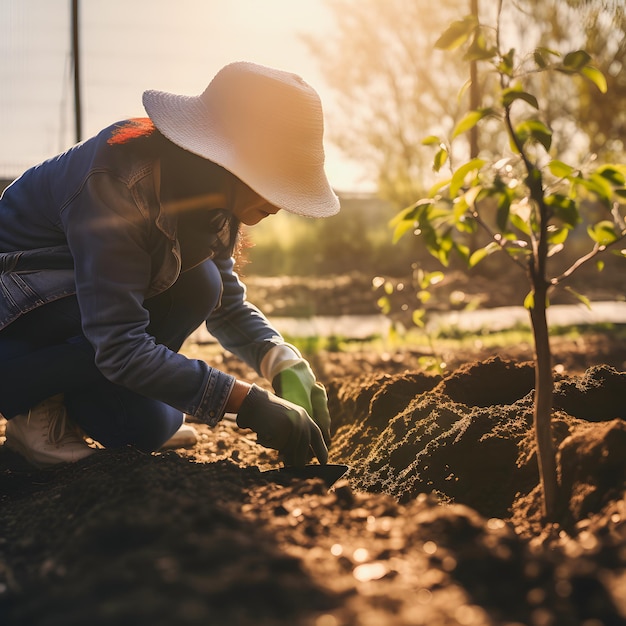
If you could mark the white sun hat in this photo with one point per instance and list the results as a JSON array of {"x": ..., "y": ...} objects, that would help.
[{"x": 262, "y": 124}]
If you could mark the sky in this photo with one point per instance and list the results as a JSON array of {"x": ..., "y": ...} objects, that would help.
[{"x": 128, "y": 46}]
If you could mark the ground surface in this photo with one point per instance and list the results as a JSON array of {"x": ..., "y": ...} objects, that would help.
[{"x": 437, "y": 522}]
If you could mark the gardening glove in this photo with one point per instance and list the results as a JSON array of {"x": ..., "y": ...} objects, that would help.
[
  {"x": 297, "y": 384},
  {"x": 283, "y": 426},
  {"x": 292, "y": 378}
]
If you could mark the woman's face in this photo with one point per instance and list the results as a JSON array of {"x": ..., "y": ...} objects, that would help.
[{"x": 249, "y": 207}]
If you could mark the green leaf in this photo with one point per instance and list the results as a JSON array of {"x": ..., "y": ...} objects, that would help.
[
  {"x": 560, "y": 169},
  {"x": 461, "y": 214},
  {"x": 541, "y": 56},
  {"x": 406, "y": 214},
  {"x": 477, "y": 256},
  {"x": 480, "y": 254},
  {"x": 434, "y": 190},
  {"x": 596, "y": 77},
  {"x": 545, "y": 52},
  {"x": 576, "y": 60},
  {"x": 558, "y": 236},
  {"x": 515, "y": 252},
  {"x": 464, "y": 87},
  {"x": 512, "y": 94},
  {"x": 418, "y": 317},
  {"x": 520, "y": 223},
  {"x": 462, "y": 251},
  {"x": 596, "y": 185},
  {"x": 434, "y": 278},
  {"x": 612, "y": 174},
  {"x": 424, "y": 296},
  {"x": 540, "y": 60},
  {"x": 541, "y": 134},
  {"x": 431, "y": 364},
  {"x": 579, "y": 296},
  {"x": 478, "y": 49},
  {"x": 440, "y": 159},
  {"x": 471, "y": 195},
  {"x": 384, "y": 305},
  {"x": 507, "y": 63},
  {"x": 603, "y": 233},
  {"x": 457, "y": 33},
  {"x": 620, "y": 167},
  {"x": 458, "y": 178},
  {"x": 436, "y": 214},
  {"x": 439, "y": 245},
  {"x": 470, "y": 120},
  {"x": 504, "y": 210},
  {"x": 406, "y": 220},
  {"x": 431, "y": 140},
  {"x": 564, "y": 209},
  {"x": 536, "y": 130},
  {"x": 529, "y": 300},
  {"x": 603, "y": 188},
  {"x": 466, "y": 225},
  {"x": 402, "y": 229}
]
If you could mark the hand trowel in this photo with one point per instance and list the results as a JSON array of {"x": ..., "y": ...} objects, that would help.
[{"x": 330, "y": 474}]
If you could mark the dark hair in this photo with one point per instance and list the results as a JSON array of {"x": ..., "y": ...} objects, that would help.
[{"x": 191, "y": 168}]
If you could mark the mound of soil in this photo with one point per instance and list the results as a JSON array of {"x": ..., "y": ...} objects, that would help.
[
  {"x": 469, "y": 436},
  {"x": 437, "y": 522}
]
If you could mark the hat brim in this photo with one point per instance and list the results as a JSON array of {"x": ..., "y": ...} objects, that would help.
[{"x": 185, "y": 121}]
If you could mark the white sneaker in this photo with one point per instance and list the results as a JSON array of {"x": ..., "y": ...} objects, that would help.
[
  {"x": 185, "y": 437},
  {"x": 45, "y": 436}
]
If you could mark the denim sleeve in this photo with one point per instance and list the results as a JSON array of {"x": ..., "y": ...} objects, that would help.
[
  {"x": 238, "y": 325},
  {"x": 109, "y": 239}
]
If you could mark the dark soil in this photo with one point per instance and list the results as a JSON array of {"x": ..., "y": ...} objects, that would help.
[{"x": 437, "y": 522}]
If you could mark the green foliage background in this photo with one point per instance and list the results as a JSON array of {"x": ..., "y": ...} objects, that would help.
[{"x": 358, "y": 239}]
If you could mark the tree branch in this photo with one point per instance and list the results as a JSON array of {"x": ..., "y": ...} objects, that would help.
[
  {"x": 597, "y": 249},
  {"x": 500, "y": 241}
]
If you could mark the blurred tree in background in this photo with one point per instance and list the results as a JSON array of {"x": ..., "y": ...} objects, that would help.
[
  {"x": 389, "y": 86},
  {"x": 596, "y": 122},
  {"x": 382, "y": 55}
]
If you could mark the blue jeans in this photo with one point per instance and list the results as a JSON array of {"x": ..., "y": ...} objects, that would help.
[{"x": 44, "y": 353}]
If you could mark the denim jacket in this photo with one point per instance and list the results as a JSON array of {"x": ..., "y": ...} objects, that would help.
[{"x": 89, "y": 222}]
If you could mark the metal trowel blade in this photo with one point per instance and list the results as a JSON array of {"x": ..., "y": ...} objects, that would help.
[{"x": 330, "y": 474}]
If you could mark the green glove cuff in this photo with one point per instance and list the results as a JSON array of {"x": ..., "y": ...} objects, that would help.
[
  {"x": 298, "y": 385},
  {"x": 295, "y": 384}
]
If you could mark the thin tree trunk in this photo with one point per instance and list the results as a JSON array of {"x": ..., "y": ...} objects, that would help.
[{"x": 544, "y": 386}]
